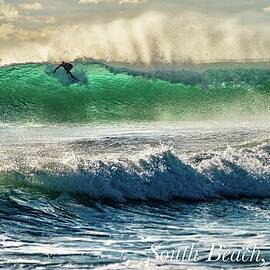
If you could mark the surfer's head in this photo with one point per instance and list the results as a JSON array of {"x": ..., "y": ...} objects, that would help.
[{"x": 63, "y": 62}]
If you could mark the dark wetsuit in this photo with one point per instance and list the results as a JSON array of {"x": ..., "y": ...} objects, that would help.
[{"x": 67, "y": 67}]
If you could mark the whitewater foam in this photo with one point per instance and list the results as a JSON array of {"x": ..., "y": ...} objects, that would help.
[{"x": 165, "y": 175}]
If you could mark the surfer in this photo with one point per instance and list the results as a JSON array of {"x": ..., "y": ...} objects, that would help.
[{"x": 67, "y": 67}]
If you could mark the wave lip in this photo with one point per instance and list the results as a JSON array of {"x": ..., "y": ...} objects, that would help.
[{"x": 162, "y": 176}]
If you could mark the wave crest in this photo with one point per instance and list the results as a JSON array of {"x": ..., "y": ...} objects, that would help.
[
  {"x": 162, "y": 176},
  {"x": 110, "y": 93}
]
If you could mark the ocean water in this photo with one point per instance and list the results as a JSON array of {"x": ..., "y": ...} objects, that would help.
[
  {"x": 127, "y": 167},
  {"x": 108, "y": 93}
]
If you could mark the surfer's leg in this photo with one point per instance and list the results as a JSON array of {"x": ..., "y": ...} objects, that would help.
[{"x": 71, "y": 75}]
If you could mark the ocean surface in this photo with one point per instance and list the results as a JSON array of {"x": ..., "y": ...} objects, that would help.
[{"x": 95, "y": 173}]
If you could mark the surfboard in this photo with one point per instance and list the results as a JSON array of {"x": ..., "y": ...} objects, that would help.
[{"x": 75, "y": 80}]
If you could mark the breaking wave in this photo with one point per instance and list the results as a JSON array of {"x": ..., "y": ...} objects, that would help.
[
  {"x": 103, "y": 92},
  {"x": 230, "y": 173}
]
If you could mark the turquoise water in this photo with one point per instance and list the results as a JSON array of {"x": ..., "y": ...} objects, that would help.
[{"x": 31, "y": 93}]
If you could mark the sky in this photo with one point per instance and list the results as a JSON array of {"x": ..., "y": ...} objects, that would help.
[{"x": 134, "y": 31}]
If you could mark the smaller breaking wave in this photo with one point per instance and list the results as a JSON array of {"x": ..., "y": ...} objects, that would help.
[{"x": 231, "y": 173}]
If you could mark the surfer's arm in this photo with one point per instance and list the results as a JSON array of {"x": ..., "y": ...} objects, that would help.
[{"x": 57, "y": 68}]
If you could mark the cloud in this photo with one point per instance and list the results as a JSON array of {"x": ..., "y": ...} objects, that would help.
[
  {"x": 8, "y": 12},
  {"x": 50, "y": 20},
  {"x": 266, "y": 9},
  {"x": 6, "y": 31},
  {"x": 120, "y": 2},
  {"x": 9, "y": 32},
  {"x": 31, "y": 6}
]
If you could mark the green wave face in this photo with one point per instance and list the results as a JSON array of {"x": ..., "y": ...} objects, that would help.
[{"x": 31, "y": 93}]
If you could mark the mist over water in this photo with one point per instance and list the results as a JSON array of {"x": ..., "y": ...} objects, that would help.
[{"x": 152, "y": 37}]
